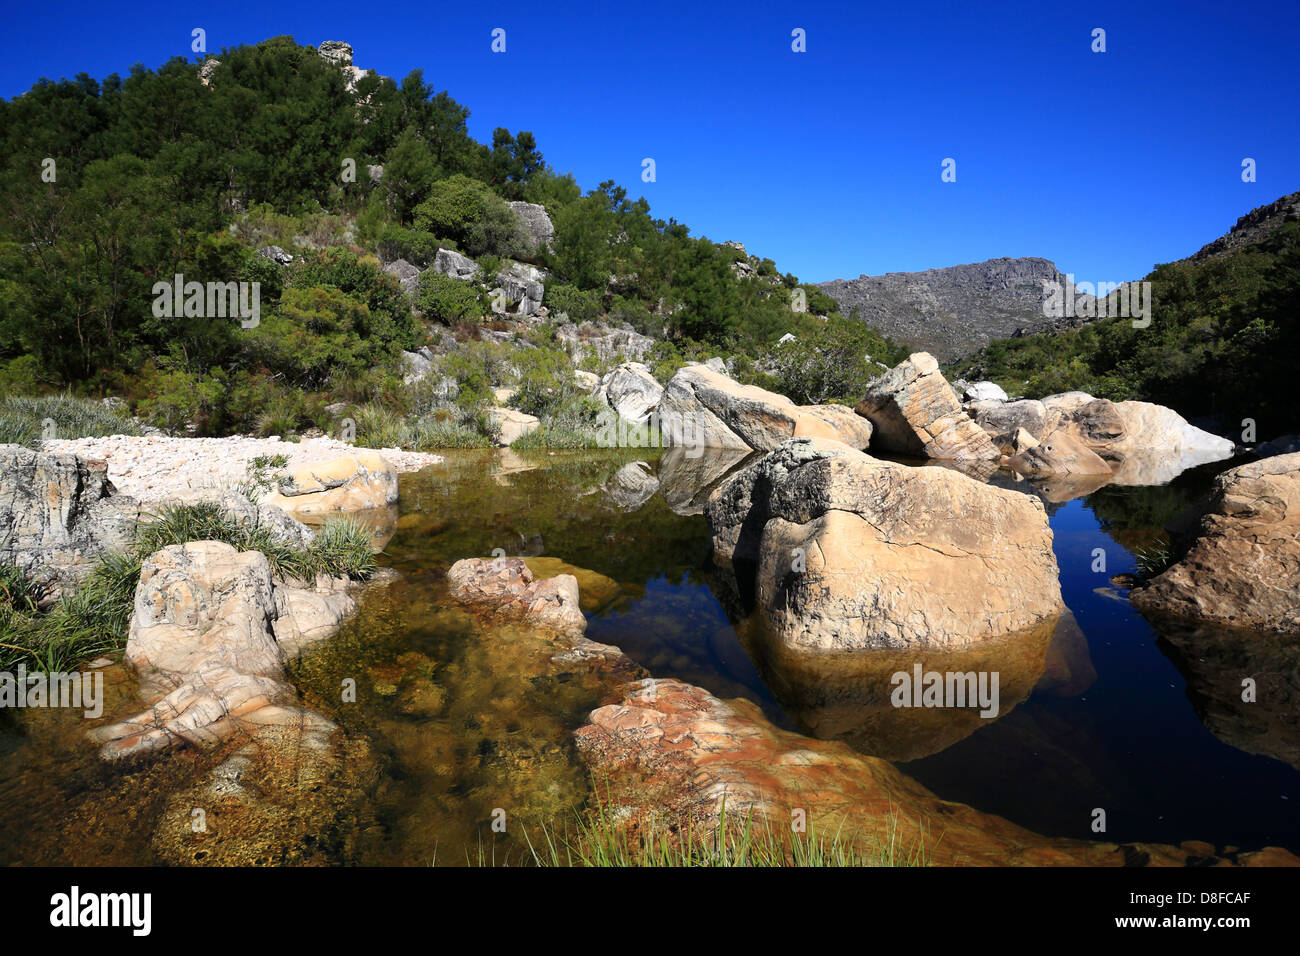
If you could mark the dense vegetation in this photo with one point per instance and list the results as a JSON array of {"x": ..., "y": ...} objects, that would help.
[
  {"x": 1223, "y": 341},
  {"x": 159, "y": 173}
]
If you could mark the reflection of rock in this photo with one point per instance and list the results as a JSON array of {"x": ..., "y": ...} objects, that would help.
[
  {"x": 631, "y": 486},
  {"x": 853, "y": 552},
  {"x": 1243, "y": 569},
  {"x": 595, "y": 590},
  {"x": 1216, "y": 661},
  {"x": 685, "y": 481},
  {"x": 1067, "y": 669},
  {"x": 846, "y": 695},
  {"x": 380, "y": 522},
  {"x": 914, "y": 411},
  {"x": 504, "y": 588},
  {"x": 671, "y": 752}
]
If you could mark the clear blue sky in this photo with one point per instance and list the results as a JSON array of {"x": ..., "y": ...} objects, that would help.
[{"x": 828, "y": 161}]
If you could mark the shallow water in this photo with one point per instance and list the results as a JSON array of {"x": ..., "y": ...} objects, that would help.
[{"x": 466, "y": 723}]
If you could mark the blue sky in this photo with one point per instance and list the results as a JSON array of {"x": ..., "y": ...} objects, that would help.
[{"x": 827, "y": 161}]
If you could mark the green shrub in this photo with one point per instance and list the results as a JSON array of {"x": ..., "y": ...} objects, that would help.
[
  {"x": 447, "y": 300},
  {"x": 581, "y": 305},
  {"x": 24, "y": 420}
]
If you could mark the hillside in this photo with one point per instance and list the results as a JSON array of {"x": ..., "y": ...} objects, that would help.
[
  {"x": 1224, "y": 338},
  {"x": 956, "y": 310}
]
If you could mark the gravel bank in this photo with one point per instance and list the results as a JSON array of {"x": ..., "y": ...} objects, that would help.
[{"x": 153, "y": 468}]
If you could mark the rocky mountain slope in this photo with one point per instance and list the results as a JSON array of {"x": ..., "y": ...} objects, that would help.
[
  {"x": 956, "y": 310},
  {"x": 1255, "y": 226}
]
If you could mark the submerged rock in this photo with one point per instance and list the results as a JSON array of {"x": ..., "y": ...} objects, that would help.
[
  {"x": 505, "y": 588},
  {"x": 852, "y": 552}
]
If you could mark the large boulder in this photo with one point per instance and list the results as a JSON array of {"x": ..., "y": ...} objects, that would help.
[
  {"x": 511, "y": 424},
  {"x": 1060, "y": 453},
  {"x": 59, "y": 514},
  {"x": 520, "y": 285},
  {"x": 406, "y": 274},
  {"x": 1243, "y": 566},
  {"x": 203, "y": 640},
  {"x": 984, "y": 392},
  {"x": 448, "y": 262},
  {"x": 702, "y": 406},
  {"x": 853, "y": 552},
  {"x": 1141, "y": 443},
  {"x": 914, "y": 411},
  {"x": 537, "y": 224},
  {"x": 351, "y": 483},
  {"x": 631, "y": 391}
]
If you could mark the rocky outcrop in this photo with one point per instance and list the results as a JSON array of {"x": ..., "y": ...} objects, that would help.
[
  {"x": 852, "y": 552},
  {"x": 537, "y": 224},
  {"x": 406, "y": 274},
  {"x": 519, "y": 285},
  {"x": 631, "y": 391},
  {"x": 607, "y": 344},
  {"x": 914, "y": 411},
  {"x": 504, "y": 588},
  {"x": 1061, "y": 453},
  {"x": 205, "y": 640},
  {"x": 59, "y": 514},
  {"x": 1004, "y": 420},
  {"x": 448, "y": 262},
  {"x": 351, "y": 483},
  {"x": 1243, "y": 567},
  {"x": 701, "y": 406},
  {"x": 668, "y": 754}
]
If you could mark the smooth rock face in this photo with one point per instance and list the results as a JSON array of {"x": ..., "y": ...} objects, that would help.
[
  {"x": 59, "y": 514},
  {"x": 537, "y": 224},
  {"x": 670, "y": 750},
  {"x": 1060, "y": 453},
  {"x": 1243, "y": 568},
  {"x": 351, "y": 483},
  {"x": 853, "y": 552},
  {"x": 505, "y": 588},
  {"x": 512, "y": 424},
  {"x": 1002, "y": 420},
  {"x": 1140, "y": 443},
  {"x": 703, "y": 407},
  {"x": 915, "y": 412},
  {"x": 203, "y": 638},
  {"x": 631, "y": 391}
]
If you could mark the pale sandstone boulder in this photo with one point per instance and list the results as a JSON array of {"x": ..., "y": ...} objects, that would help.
[
  {"x": 1141, "y": 443},
  {"x": 914, "y": 411},
  {"x": 703, "y": 407},
  {"x": 1060, "y": 453},
  {"x": 512, "y": 424},
  {"x": 671, "y": 754},
  {"x": 631, "y": 391},
  {"x": 203, "y": 640},
  {"x": 1243, "y": 568},
  {"x": 505, "y": 588},
  {"x": 351, "y": 483},
  {"x": 854, "y": 553}
]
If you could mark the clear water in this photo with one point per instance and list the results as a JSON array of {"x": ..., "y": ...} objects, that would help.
[{"x": 465, "y": 720}]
